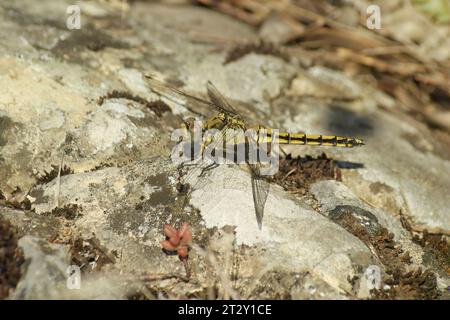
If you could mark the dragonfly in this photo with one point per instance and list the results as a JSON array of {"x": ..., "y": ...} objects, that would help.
[{"x": 225, "y": 119}]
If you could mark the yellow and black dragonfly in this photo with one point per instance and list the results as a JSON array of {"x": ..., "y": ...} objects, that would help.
[{"x": 227, "y": 135}]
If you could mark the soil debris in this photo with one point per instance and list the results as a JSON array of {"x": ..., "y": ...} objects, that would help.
[
  {"x": 297, "y": 174},
  {"x": 158, "y": 106},
  {"x": 53, "y": 173},
  {"x": 88, "y": 38},
  {"x": 437, "y": 250},
  {"x": 260, "y": 47},
  {"x": 89, "y": 255},
  {"x": 69, "y": 211},
  {"x": 399, "y": 280}
]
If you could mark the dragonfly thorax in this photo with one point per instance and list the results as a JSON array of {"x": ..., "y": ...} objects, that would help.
[
  {"x": 222, "y": 120},
  {"x": 218, "y": 122}
]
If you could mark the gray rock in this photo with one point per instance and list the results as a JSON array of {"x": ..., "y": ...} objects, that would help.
[
  {"x": 293, "y": 237},
  {"x": 45, "y": 271},
  {"x": 48, "y": 275},
  {"x": 335, "y": 198},
  {"x": 333, "y": 195}
]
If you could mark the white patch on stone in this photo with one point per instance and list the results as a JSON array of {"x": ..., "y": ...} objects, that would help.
[
  {"x": 122, "y": 109},
  {"x": 51, "y": 118},
  {"x": 104, "y": 130},
  {"x": 133, "y": 79}
]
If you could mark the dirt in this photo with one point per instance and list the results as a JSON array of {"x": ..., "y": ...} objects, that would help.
[
  {"x": 159, "y": 107},
  {"x": 403, "y": 281},
  {"x": 11, "y": 258},
  {"x": 52, "y": 174},
  {"x": 297, "y": 174},
  {"x": 89, "y": 255},
  {"x": 102, "y": 165},
  {"x": 260, "y": 47},
  {"x": 88, "y": 38},
  {"x": 68, "y": 212},
  {"x": 66, "y": 215},
  {"x": 437, "y": 250}
]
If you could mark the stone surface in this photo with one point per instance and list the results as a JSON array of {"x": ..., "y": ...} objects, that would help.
[
  {"x": 46, "y": 269},
  {"x": 47, "y": 276},
  {"x": 332, "y": 194}
]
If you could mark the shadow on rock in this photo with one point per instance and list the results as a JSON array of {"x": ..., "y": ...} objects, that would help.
[{"x": 347, "y": 123}]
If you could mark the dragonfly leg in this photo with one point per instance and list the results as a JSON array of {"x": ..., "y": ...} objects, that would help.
[
  {"x": 187, "y": 164},
  {"x": 282, "y": 150},
  {"x": 209, "y": 167}
]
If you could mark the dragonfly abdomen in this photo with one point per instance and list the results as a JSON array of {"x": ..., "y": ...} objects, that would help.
[{"x": 313, "y": 139}]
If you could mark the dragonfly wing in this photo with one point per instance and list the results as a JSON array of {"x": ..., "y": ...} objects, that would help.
[
  {"x": 219, "y": 100},
  {"x": 260, "y": 190},
  {"x": 176, "y": 95},
  {"x": 197, "y": 176}
]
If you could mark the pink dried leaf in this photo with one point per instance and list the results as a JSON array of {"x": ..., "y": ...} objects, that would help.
[
  {"x": 186, "y": 238},
  {"x": 183, "y": 229},
  {"x": 168, "y": 246},
  {"x": 175, "y": 240},
  {"x": 170, "y": 231}
]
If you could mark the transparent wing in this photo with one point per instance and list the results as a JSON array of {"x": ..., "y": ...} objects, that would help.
[
  {"x": 198, "y": 174},
  {"x": 219, "y": 100},
  {"x": 176, "y": 95},
  {"x": 260, "y": 190},
  {"x": 260, "y": 184}
]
